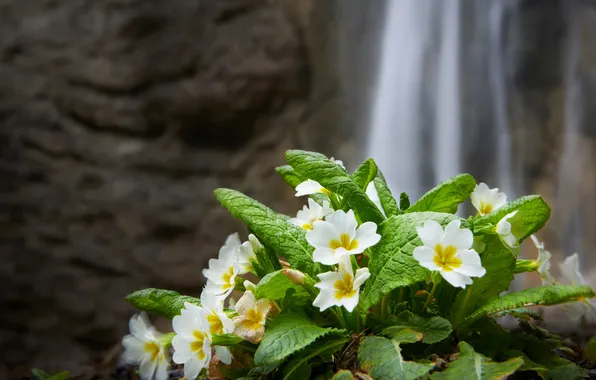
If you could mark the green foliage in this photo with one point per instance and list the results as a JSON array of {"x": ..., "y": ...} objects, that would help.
[
  {"x": 471, "y": 365},
  {"x": 225, "y": 339},
  {"x": 287, "y": 334},
  {"x": 365, "y": 173},
  {"x": 382, "y": 359},
  {"x": 275, "y": 285},
  {"x": 42, "y": 375},
  {"x": 167, "y": 303},
  {"x": 430, "y": 330},
  {"x": 272, "y": 229},
  {"x": 446, "y": 196},
  {"x": 333, "y": 177},
  {"x": 404, "y": 202},
  {"x": 387, "y": 201},
  {"x": 391, "y": 264},
  {"x": 343, "y": 375},
  {"x": 298, "y": 367},
  {"x": 545, "y": 295},
  {"x": 289, "y": 175}
]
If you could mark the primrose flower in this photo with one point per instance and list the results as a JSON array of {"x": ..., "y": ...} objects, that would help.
[
  {"x": 373, "y": 195},
  {"x": 487, "y": 200},
  {"x": 449, "y": 252},
  {"x": 340, "y": 235},
  {"x": 246, "y": 253},
  {"x": 219, "y": 323},
  {"x": 341, "y": 288},
  {"x": 222, "y": 272},
  {"x": 585, "y": 308},
  {"x": 339, "y": 162},
  {"x": 543, "y": 262},
  {"x": 192, "y": 343},
  {"x": 503, "y": 228},
  {"x": 311, "y": 213},
  {"x": 310, "y": 187},
  {"x": 252, "y": 315},
  {"x": 142, "y": 348}
]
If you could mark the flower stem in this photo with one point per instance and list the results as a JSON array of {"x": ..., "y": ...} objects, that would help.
[
  {"x": 385, "y": 307},
  {"x": 436, "y": 281}
]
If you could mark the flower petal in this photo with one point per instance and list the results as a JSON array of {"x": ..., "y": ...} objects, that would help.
[
  {"x": 322, "y": 234},
  {"x": 193, "y": 367},
  {"x": 367, "y": 235},
  {"x": 182, "y": 352},
  {"x": 470, "y": 264},
  {"x": 570, "y": 270},
  {"x": 431, "y": 233},
  {"x": 246, "y": 302},
  {"x": 325, "y": 299},
  {"x": 457, "y": 279},
  {"x": 308, "y": 187},
  {"x": 362, "y": 275},
  {"x": 161, "y": 372},
  {"x": 147, "y": 368},
  {"x": 425, "y": 257},
  {"x": 351, "y": 302},
  {"x": 344, "y": 222},
  {"x": 325, "y": 256},
  {"x": 458, "y": 237},
  {"x": 224, "y": 354}
]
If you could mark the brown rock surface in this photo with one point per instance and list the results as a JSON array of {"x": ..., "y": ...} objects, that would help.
[{"x": 118, "y": 118}]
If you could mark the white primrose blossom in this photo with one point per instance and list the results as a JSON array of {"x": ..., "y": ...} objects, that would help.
[
  {"x": 252, "y": 315},
  {"x": 339, "y": 162},
  {"x": 585, "y": 308},
  {"x": 339, "y": 235},
  {"x": 310, "y": 214},
  {"x": 222, "y": 271},
  {"x": 543, "y": 262},
  {"x": 212, "y": 310},
  {"x": 448, "y": 252},
  {"x": 341, "y": 288},
  {"x": 246, "y": 253},
  {"x": 487, "y": 200},
  {"x": 142, "y": 348},
  {"x": 192, "y": 343},
  {"x": 373, "y": 195},
  {"x": 310, "y": 187},
  {"x": 503, "y": 228}
]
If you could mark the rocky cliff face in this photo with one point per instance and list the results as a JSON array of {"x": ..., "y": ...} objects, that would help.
[{"x": 118, "y": 119}]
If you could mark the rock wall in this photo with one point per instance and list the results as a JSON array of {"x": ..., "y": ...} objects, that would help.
[{"x": 118, "y": 118}]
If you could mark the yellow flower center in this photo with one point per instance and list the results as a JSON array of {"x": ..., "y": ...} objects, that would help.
[
  {"x": 253, "y": 319},
  {"x": 307, "y": 226},
  {"x": 227, "y": 277},
  {"x": 325, "y": 191},
  {"x": 344, "y": 288},
  {"x": 153, "y": 349},
  {"x": 197, "y": 345},
  {"x": 445, "y": 258},
  {"x": 344, "y": 242},
  {"x": 485, "y": 208},
  {"x": 215, "y": 324}
]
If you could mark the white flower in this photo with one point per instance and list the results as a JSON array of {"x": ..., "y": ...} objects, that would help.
[
  {"x": 487, "y": 200},
  {"x": 449, "y": 252},
  {"x": 219, "y": 323},
  {"x": 222, "y": 272},
  {"x": 373, "y": 195},
  {"x": 503, "y": 228},
  {"x": 543, "y": 262},
  {"x": 252, "y": 315},
  {"x": 311, "y": 213},
  {"x": 341, "y": 288},
  {"x": 192, "y": 343},
  {"x": 339, "y": 162},
  {"x": 340, "y": 235},
  {"x": 248, "y": 285},
  {"x": 246, "y": 253},
  {"x": 309, "y": 187},
  {"x": 142, "y": 348},
  {"x": 585, "y": 308}
]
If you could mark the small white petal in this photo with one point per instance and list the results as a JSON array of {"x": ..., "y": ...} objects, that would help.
[
  {"x": 425, "y": 256},
  {"x": 224, "y": 354},
  {"x": 570, "y": 270},
  {"x": 322, "y": 234},
  {"x": 457, "y": 279},
  {"x": 324, "y": 256},
  {"x": 350, "y": 302},
  {"x": 182, "y": 351},
  {"x": 308, "y": 187},
  {"x": 246, "y": 302},
  {"x": 325, "y": 299},
  {"x": 471, "y": 264},
  {"x": 367, "y": 236},
  {"x": 431, "y": 233},
  {"x": 161, "y": 372},
  {"x": 457, "y": 237},
  {"x": 344, "y": 222},
  {"x": 147, "y": 368},
  {"x": 373, "y": 195},
  {"x": 362, "y": 275},
  {"x": 193, "y": 367}
]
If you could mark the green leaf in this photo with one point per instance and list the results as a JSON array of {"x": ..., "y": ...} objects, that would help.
[
  {"x": 404, "y": 202},
  {"x": 432, "y": 330},
  {"x": 225, "y": 339},
  {"x": 327, "y": 345},
  {"x": 471, "y": 365},
  {"x": 287, "y": 334},
  {"x": 391, "y": 263},
  {"x": 319, "y": 168},
  {"x": 289, "y": 175},
  {"x": 545, "y": 295},
  {"x": 42, "y": 375},
  {"x": 499, "y": 264},
  {"x": 382, "y": 359},
  {"x": 446, "y": 196},
  {"x": 365, "y": 174},
  {"x": 275, "y": 285},
  {"x": 167, "y": 303},
  {"x": 343, "y": 374},
  {"x": 385, "y": 196},
  {"x": 532, "y": 214},
  {"x": 271, "y": 228}
]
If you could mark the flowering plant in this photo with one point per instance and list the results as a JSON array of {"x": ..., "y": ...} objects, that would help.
[{"x": 360, "y": 285}]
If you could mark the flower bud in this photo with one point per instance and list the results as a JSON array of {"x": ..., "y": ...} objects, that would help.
[
  {"x": 255, "y": 243},
  {"x": 295, "y": 276}
]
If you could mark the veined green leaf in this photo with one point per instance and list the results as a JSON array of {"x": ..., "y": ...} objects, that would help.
[
  {"x": 319, "y": 168},
  {"x": 391, "y": 264},
  {"x": 473, "y": 366},
  {"x": 365, "y": 173},
  {"x": 298, "y": 366},
  {"x": 499, "y": 264},
  {"x": 289, "y": 175},
  {"x": 271, "y": 228},
  {"x": 545, "y": 295},
  {"x": 225, "y": 339},
  {"x": 404, "y": 202},
  {"x": 387, "y": 200},
  {"x": 287, "y": 334},
  {"x": 167, "y": 303},
  {"x": 382, "y": 359},
  {"x": 275, "y": 285},
  {"x": 431, "y": 330},
  {"x": 446, "y": 196},
  {"x": 343, "y": 374},
  {"x": 532, "y": 214}
]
